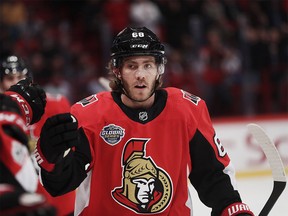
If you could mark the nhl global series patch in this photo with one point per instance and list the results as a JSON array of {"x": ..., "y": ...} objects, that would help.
[{"x": 112, "y": 134}]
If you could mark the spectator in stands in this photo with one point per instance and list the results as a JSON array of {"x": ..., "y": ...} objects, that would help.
[{"x": 88, "y": 30}]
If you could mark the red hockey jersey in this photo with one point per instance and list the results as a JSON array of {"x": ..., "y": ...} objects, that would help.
[{"x": 142, "y": 159}]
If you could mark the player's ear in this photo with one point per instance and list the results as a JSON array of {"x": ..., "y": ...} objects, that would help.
[{"x": 116, "y": 72}]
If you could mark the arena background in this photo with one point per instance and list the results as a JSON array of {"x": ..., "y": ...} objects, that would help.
[{"x": 231, "y": 53}]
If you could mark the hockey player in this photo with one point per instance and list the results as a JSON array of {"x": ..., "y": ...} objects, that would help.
[
  {"x": 18, "y": 179},
  {"x": 133, "y": 150},
  {"x": 16, "y": 166},
  {"x": 14, "y": 69},
  {"x": 29, "y": 96}
]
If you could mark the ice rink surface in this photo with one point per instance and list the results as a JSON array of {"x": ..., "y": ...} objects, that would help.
[{"x": 255, "y": 191}]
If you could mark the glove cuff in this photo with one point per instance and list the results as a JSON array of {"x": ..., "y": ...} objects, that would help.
[
  {"x": 26, "y": 109},
  {"x": 41, "y": 160},
  {"x": 236, "y": 209}
]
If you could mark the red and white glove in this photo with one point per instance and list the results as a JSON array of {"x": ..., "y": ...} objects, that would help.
[
  {"x": 237, "y": 209},
  {"x": 31, "y": 99}
]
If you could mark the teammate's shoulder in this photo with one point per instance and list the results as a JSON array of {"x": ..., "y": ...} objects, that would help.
[
  {"x": 55, "y": 97},
  {"x": 180, "y": 95}
]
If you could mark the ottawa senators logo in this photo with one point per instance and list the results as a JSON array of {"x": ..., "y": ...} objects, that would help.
[{"x": 145, "y": 188}]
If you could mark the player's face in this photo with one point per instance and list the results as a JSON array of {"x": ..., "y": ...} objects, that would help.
[
  {"x": 11, "y": 79},
  {"x": 138, "y": 75}
]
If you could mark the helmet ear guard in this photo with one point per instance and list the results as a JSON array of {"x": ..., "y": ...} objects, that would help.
[
  {"x": 161, "y": 69},
  {"x": 161, "y": 66}
]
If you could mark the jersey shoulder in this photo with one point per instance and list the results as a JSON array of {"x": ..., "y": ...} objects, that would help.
[
  {"x": 92, "y": 100},
  {"x": 92, "y": 106},
  {"x": 180, "y": 96}
]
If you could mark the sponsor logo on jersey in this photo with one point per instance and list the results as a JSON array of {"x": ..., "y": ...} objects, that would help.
[
  {"x": 112, "y": 134},
  {"x": 88, "y": 100},
  {"x": 146, "y": 188},
  {"x": 194, "y": 99}
]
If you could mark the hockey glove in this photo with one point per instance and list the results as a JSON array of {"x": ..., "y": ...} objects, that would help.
[
  {"x": 58, "y": 134},
  {"x": 11, "y": 122},
  {"x": 31, "y": 99},
  {"x": 237, "y": 209}
]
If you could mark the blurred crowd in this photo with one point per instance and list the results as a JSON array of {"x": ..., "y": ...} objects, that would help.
[{"x": 232, "y": 53}]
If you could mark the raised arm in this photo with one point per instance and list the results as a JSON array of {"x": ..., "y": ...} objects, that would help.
[{"x": 63, "y": 154}]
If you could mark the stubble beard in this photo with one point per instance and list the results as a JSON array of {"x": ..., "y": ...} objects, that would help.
[{"x": 140, "y": 98}]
